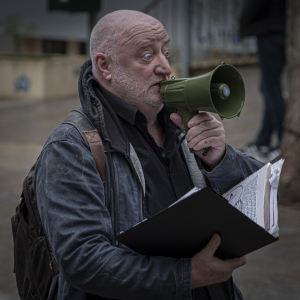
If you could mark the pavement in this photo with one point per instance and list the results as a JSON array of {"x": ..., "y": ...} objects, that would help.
[{"x": 272, "y": 272}]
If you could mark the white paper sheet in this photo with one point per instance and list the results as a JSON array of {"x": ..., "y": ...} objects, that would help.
[
  {"x": 248, "y": 195},
  {"x": 256, "y": 196},
  {"x": 189, "y": 193}
]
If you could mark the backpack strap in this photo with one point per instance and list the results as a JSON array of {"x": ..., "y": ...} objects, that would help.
[{"x": 91, "y": 136}]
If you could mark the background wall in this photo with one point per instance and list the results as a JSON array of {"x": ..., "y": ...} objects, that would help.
[{"x": 203, "y": 34}]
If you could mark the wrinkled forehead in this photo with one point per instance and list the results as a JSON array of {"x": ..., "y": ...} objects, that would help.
[{"x": 143, "y": 34}]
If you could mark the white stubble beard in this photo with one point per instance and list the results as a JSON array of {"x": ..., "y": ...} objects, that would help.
[{"x": 131, "y": 91}]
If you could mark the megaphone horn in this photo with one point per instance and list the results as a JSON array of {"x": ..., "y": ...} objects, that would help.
[{"x": 220, "y": 91}]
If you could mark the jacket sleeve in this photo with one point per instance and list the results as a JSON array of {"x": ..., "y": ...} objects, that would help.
[
  {"x": 253, "y": 10},
  {"x": 234, "y": 167},
  {"x": 71, "y": 203}
]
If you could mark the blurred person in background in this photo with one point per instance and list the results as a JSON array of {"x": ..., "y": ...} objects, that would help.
[{"x": 266, "y": 20}]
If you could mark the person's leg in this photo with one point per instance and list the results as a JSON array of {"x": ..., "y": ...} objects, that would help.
[
  {"x": 264, "y": 136},
  {"x": 271, "y": 57}
]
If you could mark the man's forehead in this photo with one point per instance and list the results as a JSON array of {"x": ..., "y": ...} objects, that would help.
[{"x": 144, "y": 34}]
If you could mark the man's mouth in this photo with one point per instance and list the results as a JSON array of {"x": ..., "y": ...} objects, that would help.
[{"x": 157, "y": 84}]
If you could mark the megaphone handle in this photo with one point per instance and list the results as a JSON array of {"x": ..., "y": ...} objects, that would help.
[{"x": 186, "y": 116}]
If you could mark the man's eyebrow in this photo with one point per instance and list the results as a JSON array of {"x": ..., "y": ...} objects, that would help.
[
  {"x": 147, "y": 43},
  {"x": 143, "y": 44},
  {"x": 167, "y": 40}
]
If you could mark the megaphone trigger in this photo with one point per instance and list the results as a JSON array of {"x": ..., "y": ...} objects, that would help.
[{"x": 204, "y": 151}]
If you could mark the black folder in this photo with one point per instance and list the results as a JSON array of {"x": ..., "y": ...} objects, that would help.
[{"x": 185, "y": 228}]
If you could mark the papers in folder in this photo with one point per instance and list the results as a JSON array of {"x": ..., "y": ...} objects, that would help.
[
  {"x": 245, "y": 217},
  {"x": 256, "y": 196}
]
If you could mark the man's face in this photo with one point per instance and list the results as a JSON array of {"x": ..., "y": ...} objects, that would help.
[{"x": 140, "y": 64}]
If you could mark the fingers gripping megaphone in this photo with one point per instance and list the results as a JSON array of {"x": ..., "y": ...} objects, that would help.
[{"x": 220, "y": 91}]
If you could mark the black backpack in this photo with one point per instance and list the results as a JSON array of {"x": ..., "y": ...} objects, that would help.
[{"x": 34, "y": 263}]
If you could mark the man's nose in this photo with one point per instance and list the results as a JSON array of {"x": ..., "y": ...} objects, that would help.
[{"x": 163, "y": 66}]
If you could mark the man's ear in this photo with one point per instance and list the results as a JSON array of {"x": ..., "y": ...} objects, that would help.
[{"x": 103, "y": 65}]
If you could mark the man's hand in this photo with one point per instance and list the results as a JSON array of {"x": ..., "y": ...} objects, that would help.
[
  {"x": 205, "y": 131},
  {"x": 208, "y": 269}
]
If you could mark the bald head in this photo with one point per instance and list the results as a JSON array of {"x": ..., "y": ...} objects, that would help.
[
  {"x": 117, "y": 29},
  {"x": 129, "y": 52}
]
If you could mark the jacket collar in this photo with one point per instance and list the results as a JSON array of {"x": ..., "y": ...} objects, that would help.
[
  {"x": 100, "y": 113},
  {"x": 123, "y": 109}
]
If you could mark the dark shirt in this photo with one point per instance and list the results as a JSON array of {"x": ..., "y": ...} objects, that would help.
[
  {"x": 166, "y": 179},
  {"x": 262, "y": 17}
]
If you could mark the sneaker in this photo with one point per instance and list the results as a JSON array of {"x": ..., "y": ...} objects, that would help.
[
  {"x": 273, "y": 154},
  {"x": 258, "y": 152}
]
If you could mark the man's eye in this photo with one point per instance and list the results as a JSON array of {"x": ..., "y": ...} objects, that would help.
[
  {"x": 166, "y": 53},
  {"x": 147, "y": 56}
]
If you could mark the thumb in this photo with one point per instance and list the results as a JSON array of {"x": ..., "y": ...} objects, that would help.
[
  {"x": 212, "y": 245},
  {"x": 177, "y": 120}
]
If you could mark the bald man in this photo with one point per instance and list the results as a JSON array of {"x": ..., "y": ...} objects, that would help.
[{"x": 119, "y": 92}]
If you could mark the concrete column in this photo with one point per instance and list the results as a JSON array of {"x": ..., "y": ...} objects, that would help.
[
  {"x": 184, "y": 36},
  {"x": 92, "y": 22}
]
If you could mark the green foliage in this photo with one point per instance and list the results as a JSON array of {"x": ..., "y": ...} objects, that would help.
[{"x": 13, "y": 26}]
